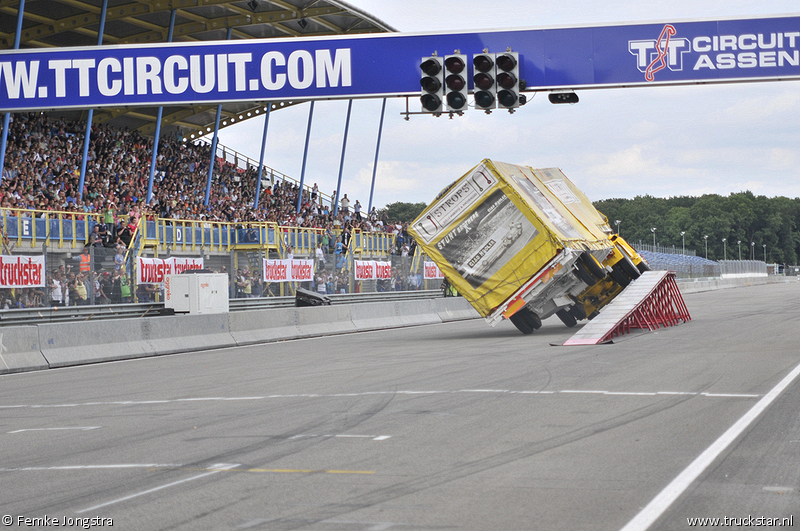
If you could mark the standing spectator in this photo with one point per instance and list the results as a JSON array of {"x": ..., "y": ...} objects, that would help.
[
  {"x": 320, "y": 256},
  {"x": 56, "y": 295},
  {"x": 124, "y": 289},
  {"x": 106, "y": 287},
  {"x": 119, "y": 259},
  {"x": 84, "y": 261},
  {"x": 81, "y": 295},
  {"x": 116, "y": 287},
  {"x": 108, "y": 219},
  {"x": 345, "y": 205},
  {"x": 357, "y": 210},
  {"x": 338, "y": 253}
]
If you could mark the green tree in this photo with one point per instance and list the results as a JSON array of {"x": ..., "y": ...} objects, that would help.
[{"x": 404, "y": 212}]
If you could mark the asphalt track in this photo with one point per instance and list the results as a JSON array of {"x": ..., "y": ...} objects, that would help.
[{"x": 446, "y": 427}]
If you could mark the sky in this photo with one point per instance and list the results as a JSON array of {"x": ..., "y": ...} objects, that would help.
[{"x": 615, "y": 143}]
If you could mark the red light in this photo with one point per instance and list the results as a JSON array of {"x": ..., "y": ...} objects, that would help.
[
  {"x": 506, "y": 62},
  {"x": 483, "y": 81},
  {"x": 507, "y": 80},
  {"x": 483, "y": 63},
  {"x": 431, "y": 67},
  {"x": 455, "y": 82},
  {"x": 454, "y": 65}
]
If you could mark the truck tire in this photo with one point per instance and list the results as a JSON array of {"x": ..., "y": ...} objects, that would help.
[
  {"x": 618, "y": 276},
  {"x": 526, "y": 321},
  {"x": 627, "y": 267},
  {"x": 642, "y": 267},
  {"x": 592, "y": 265},
  {"x": 566, "y": 317},
  {"x": 584, "y": 275},
  {"x": 578, "y": 312}
]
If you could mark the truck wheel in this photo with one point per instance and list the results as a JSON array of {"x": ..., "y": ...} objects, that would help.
[
  {"x": 643, "y": 267},
  {"x": 584, "y": 275},
  {"x": 578, "y": 312},
  {"x": 592, "y": 265},
  {"x": 628, "y": 268},
  {"x": 618, "y": 276},
  {"x": 566, "y": 317},
  {"x": 526, "y": 321}
]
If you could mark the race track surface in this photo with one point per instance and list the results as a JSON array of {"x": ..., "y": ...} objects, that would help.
[{"x": 447, "y": 427}]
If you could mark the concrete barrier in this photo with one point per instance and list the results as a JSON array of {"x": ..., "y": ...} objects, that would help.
[
  {"x": 698, "y": 285},
  {"x": 324, "y": 320},
  {"x": 185, "y": 333},
  {"x": 76, "y": 343},
  {"x": 263, "y": 326},
  {"x": 19, "y": 350},
  {"x": 455, "y": 309},
  {"x": 383, "y": 315}
]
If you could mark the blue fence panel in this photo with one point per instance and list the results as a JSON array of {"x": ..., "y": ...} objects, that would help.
[
  {"x": 12, "y": 227},
  {"x": 80, "y": 231}
]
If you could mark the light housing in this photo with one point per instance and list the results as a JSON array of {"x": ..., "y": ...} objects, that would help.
[
  {"x": 432, "y": 84},
  {"x": 485, "y": 86}
]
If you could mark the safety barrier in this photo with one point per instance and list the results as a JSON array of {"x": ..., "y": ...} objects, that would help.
[
  {"x": 50, "y": 345},
  {"x": 698, "y": 285},
  {"x": 19, "y": 350}
]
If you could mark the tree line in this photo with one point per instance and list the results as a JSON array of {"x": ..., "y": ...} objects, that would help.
[{"x": 740, "y": 217}]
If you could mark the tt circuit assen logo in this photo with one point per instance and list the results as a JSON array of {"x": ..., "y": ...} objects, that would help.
[
  {"x": 665, "y": 52},
  {"x": 743, "y": 51}
]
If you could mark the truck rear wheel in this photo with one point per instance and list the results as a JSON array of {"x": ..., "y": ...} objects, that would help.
[
  {"x": 592, "y": 265},
  {"x": 526, "y": 321},
  {"x": 643, "y": 267},
  {"x": 627, "y": 267},
  {"x": 566, "y": 317},
  {"x": 584, "y": 275},
  {"x": 618, "y": 276}
]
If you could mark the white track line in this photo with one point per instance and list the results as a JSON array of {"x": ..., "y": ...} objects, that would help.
[
  {"x": 376, "y": 393},
  {"x": 213, "y": 470},
  {"x": 678, "y": 486},
  {"x": 80, "y": 428}
]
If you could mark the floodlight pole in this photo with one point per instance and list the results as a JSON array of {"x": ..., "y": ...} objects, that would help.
[{"x": 7, "y": 117}]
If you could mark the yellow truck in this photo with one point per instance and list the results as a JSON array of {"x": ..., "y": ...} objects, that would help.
[{"x": 523, "y": 244}]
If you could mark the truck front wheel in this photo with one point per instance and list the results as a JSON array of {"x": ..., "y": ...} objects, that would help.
[
  {"x": 566, "y": 317},
  {"x": 526, "y": 321}
]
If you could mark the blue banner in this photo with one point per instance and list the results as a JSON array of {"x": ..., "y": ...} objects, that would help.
[{"x": 382, "y": 65}]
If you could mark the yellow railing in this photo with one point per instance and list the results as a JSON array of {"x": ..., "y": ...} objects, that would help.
[{"x": 180, "y": 235}]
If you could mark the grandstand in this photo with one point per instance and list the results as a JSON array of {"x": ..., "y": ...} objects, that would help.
[
  {"x": 57, "y": 188},
  {"x": 685, "y": 266}
]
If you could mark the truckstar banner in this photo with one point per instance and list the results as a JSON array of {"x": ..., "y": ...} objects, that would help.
[
  {"x": 365, "y": 66},
  {"x": 288, "y": 270},
  {"x": 21, "y": 271},
  {"x": 432, "y": 271},
  {"x": 153, "y": 270},
  {"x": 372, "y": 270}
]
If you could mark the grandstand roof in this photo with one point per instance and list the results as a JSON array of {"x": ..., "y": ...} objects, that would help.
[{"x": 64, "y": 23}]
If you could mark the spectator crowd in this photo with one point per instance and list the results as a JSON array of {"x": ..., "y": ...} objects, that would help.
[{"x": 42, "y": 173}]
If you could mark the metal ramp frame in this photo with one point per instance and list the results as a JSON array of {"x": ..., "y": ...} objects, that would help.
[{"x": 651, "y": 301}]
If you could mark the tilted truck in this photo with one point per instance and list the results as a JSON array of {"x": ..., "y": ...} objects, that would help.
[{"x": 523, "y": 244}]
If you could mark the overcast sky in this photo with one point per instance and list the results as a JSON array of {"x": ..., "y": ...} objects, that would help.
[{"x": 658, "y": 141}]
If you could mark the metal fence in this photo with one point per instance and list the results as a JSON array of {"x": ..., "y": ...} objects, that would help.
[{"x": 742, "y": 268}]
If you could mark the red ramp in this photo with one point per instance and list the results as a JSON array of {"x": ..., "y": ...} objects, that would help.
[{"x": 651, "y": 301}]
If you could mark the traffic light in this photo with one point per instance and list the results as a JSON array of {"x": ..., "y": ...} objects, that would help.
[
  {"x": 455, "y": 82},
  {"x": 508, "y": 84},
  {"x": 432, "y": 83},
  {"x": 484, "y": 81}
]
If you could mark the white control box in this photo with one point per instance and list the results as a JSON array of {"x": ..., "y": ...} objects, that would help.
[{"x": 196, "y": 293}]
